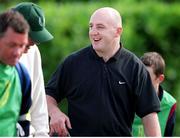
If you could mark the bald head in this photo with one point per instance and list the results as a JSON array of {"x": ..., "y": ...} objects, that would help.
[
  {"x": 109, "y": 14},
  {"x": 105, "y": 29}
]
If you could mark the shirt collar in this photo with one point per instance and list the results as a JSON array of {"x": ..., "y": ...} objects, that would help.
[
  {"x": 115, "y": 57},
  {"x": 94, "y": 55},
  {"x": 118, "y": 53}
]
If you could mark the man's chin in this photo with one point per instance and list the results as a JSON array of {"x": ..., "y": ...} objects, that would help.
[
  {"x": 13, "y": 63},
  {"x": 96, "y": 47}
]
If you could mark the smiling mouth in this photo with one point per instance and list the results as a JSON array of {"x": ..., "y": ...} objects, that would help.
[{"x": 96, "y": 39}]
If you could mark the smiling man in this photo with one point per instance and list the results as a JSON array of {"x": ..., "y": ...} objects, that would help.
[{"x": 105, "y": 85}]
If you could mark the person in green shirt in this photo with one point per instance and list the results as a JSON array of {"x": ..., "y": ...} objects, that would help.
[
  {"x": 13, "y": 40},
  {"x": 155, "y": 65}
]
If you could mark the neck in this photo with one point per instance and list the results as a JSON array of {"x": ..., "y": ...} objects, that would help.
[
  {"x": 106, "y": 55},
  {"x": 157, "y": 89}
]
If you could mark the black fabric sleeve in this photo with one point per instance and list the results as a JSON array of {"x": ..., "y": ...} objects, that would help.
[
  {"x": 57, "y": 83},
  {"x": 52, "y": 86},
  {"x": 147, "y": 99}
]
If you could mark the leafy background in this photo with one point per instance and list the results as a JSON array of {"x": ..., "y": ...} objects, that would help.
[{"x": 148, "y": 25}]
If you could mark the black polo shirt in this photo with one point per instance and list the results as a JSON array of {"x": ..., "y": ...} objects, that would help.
[{"x": 103, "y": 96}]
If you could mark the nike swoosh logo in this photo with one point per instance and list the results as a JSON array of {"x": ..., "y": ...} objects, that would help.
[{"x": 121, "y": 82}]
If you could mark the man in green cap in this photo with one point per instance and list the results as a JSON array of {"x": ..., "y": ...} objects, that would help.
[{"x": 32, "y": 60}]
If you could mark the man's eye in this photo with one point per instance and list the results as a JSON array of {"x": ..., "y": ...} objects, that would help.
[
  {"x": 11, "y": 45},
  {"x": 100, "y": 27}
]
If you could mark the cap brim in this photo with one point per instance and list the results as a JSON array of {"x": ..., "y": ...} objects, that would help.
[{"x": 40, "y": 36}]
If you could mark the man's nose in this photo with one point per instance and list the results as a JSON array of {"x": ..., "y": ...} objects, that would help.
[
  {"x": 18, "y": 51},
  {"x": 93, "y": 31}
]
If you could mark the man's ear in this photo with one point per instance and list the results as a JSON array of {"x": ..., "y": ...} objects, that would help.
[
  {"x": 119, "y": 31},
  {"x": 161, "y": 78}
]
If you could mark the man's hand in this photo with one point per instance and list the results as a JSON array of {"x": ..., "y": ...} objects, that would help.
[{"x": 59, "y": 122}]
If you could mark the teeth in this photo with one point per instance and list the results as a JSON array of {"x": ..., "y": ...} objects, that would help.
[{"x": 96, "y": 39}]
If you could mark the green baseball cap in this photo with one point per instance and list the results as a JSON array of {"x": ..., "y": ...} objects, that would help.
[{"x": 36, "y": 19}]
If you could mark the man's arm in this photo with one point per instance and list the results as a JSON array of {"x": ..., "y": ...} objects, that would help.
[
  {"x": 38, "y": 110},
  {"x": 59, "y": 122},
  {"x": 151, "y": 125}
]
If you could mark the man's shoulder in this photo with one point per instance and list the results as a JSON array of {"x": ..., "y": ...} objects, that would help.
[
  {"x": 22, "y": 71},
  {"x": 31, "y": 52},
  {"x": 31, "y": 59},
  {"x": 81, "y": 51},
  {"x": 125, "y": 53},
  {"x": 129, "y": 58},
  {"x": 78, "y": 55}
]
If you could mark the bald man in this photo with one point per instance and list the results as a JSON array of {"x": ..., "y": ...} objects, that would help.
[{"x": 105, "y": 85}]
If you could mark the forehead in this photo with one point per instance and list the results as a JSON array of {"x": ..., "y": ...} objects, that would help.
[
  {"x": 101, "y": 18},
  {"x": 11, "y": 36}
]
